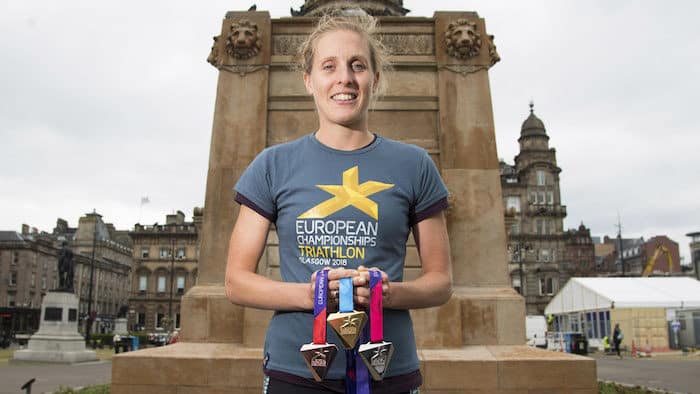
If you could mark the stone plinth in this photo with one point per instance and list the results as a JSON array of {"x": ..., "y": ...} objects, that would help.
[
  {"x": 57, "y": 340},
  {"x": 120, "y": 326},
  {"x": 437, "y": 99},
  {"x": 232, "y": 368}
]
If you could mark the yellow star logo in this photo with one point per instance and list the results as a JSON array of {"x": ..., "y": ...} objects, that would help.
[{"x": 347, "y": 194}]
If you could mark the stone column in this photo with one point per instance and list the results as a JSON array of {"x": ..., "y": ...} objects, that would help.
[
  {"x": 491, "y": 311},
  {"x": 242, "y": 55}
]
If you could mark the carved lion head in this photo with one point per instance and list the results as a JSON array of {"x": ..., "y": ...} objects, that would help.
[
  {"x": 462, "y": 39},
  {"x": 243, "y": 42}
]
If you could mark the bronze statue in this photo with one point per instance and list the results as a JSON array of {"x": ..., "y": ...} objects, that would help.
[{"x": 65, "y": 269}]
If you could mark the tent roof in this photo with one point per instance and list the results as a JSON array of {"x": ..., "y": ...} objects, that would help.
[{"x": 582, "y": 294}]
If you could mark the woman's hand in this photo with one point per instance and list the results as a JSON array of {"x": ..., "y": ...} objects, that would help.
[
  {"x": 362, "y": 294},
  {"x": 334, "y": 276}
]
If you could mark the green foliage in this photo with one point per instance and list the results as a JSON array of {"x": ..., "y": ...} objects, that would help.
[
  {"x": 100, "y": 389},
  {"x": 615, "y": 388}
]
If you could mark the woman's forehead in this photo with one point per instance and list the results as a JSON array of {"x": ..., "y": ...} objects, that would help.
[{"x": 341, "y": 42}]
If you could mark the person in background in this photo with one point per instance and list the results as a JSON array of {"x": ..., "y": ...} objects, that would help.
[{"x": 617, "y": 339}]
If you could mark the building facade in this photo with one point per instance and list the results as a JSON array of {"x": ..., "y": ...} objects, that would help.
[
  {"x": 29, "y": 268},
  {"x": 165, "y": 257},
  {"x": 636, "y": 253},
  {"x": 543, "y": 256}
]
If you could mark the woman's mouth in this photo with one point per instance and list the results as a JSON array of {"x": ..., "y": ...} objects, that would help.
[{"x": 344, "y": 96}]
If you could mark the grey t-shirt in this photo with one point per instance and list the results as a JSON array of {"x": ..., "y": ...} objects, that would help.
[{"x": 336, "y": 209}]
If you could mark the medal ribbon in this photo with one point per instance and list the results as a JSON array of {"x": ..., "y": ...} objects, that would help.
[
  {"x": 346, "y": 304},
  {"x": 376, "y": 320},
  {"x": 345, "y": 296},
  {"x": 320, "y": 309}
]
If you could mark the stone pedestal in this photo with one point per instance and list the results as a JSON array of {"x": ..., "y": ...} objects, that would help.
[
  {"x": 120, "y": 326},
  {"x": 438, "y": 100},
  {"x": 57, "y": 340}
]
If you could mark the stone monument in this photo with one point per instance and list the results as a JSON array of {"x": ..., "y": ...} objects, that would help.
[
  {"x": 439, "y": 99},
  {"x": 57, "y": 339}
]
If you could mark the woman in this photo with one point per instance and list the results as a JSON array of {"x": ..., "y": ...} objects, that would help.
[{"x": 342, "y": 199}]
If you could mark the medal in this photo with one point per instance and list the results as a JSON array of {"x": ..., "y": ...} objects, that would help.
[
  {"x": 377, "y": 353},
  {"x": 319, "y": 354},
  {"x": 347, "y": 322}
]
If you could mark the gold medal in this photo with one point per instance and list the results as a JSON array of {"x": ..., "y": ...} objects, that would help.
[{"x": 348, "y": 326}]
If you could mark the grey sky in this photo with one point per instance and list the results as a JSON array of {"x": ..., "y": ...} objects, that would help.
[{"x": 102, "y": 103}]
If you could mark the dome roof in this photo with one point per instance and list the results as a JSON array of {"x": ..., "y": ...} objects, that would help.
[{"x": 532, "y": 125}]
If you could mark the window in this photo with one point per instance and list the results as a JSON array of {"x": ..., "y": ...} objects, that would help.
[
  {"x": 513, "y": 202},
  {"x": 181, "y": 253},
  {"x": 141, "y": 319},
  {"x": 15, "y": 258},
  {"x": 177, "y": 320},
  {"x": 542, "y": 200},
  {"x": 541, "y": 178},
  {"x": 540, "y": 226},
  {"x": 533, "y": 197},
  {"x": 45, "y": 265},
  {"x": 10, "y": 300},
  {"x": 159, "y": 319},
  {"x": 547, "y": 286},
  {"x": 43, "y": 283},
  {"x": 544, "y": 255},
  {"x": 164, "y": 253},
  {"x": 550, "y": 198},
  {"x": 161, "y": 284},
  {"x": 144, "y": 252},
  {"x": 13, "y": 278},
  {"x": 33, "y": 282},
  {"x": 515, "y": 228},
  {"x": 143, "y": 283},
  {"x": 180, "y": 284}
]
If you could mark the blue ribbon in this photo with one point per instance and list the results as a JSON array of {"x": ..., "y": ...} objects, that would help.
[{"x": 345, "y": 295}]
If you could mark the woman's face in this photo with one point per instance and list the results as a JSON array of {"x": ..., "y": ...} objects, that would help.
[{"x": 341, "y": 80}]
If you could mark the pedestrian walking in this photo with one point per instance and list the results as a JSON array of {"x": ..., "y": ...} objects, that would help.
[{"x": 617, "y": 338}]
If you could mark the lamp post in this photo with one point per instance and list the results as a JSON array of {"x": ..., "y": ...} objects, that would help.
[
  {"x": 518, "y": 249},
  {"x": 172, "y": 278},
  {"x": 92, "y": 280}
]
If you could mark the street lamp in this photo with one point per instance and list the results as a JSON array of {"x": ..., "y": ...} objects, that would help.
[
  {"x": 172, "y": 278},
  {"x": 519, "y": 249},
  {"x": 90, "y": 316}
]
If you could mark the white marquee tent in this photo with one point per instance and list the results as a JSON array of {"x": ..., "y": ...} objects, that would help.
[{"x": 589, "y": 294}]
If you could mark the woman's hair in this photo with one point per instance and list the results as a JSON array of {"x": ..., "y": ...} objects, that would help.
[{"x": 350, "y": 19}]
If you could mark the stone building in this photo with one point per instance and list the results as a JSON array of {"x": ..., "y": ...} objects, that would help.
[
  {"x": 29, "y": 268},
  {"x": 112, "y": 267},
  {"x": 165, "y": 257},
  {"x": 542, "y": 255},
  {"x": 636, "y": 253}
]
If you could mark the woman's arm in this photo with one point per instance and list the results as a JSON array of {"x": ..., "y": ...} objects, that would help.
[
  {"x": 434, "y": 286},
  {"x": 247, "y": 288}
]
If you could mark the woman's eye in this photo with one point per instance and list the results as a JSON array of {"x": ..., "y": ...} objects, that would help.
[
  {"x": 327, "y": 66},
  {"x": 358, "y": 66}
]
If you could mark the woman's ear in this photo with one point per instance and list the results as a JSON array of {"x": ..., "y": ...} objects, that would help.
[
  {"x": 375, "y": 85},
  {"x": 307, "y": 84}
]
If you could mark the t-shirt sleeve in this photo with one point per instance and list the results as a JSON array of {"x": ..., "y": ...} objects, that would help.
[
  {"x": 254, "y": 188},
  {"x": 431, "y": 195}
]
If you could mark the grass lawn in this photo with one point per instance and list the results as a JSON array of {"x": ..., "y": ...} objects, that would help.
[{"x": 6, "y": 355}]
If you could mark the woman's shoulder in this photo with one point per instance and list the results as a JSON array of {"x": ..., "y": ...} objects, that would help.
[{"x": 404, "y": 148}]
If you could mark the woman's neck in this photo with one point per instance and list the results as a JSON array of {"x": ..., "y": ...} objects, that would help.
[{"x": 343, "y": 138}]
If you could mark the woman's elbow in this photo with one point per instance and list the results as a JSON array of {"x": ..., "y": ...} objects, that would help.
[{"x": 233, "y": 291}]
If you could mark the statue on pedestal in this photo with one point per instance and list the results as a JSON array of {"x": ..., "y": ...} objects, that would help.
[{"x": 65, "y": 269}]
